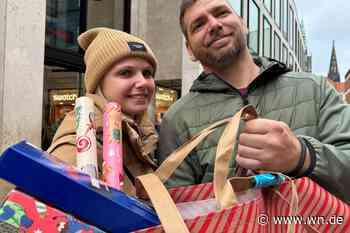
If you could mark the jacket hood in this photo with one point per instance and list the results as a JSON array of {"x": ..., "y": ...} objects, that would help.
[{"x": 269, "y": 69}]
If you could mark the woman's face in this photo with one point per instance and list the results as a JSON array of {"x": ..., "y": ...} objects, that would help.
[{"x": 130, "y": 82}]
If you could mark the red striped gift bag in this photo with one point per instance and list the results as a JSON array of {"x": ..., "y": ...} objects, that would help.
[{"x": 231, "y": 205}]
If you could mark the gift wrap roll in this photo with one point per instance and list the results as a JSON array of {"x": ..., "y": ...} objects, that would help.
[
  {"x": 86, "y": 137},
  {"x": 112, "y": 146}
]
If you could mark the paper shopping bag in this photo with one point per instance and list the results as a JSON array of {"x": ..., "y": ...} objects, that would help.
[{"x": 238, "y": 207}]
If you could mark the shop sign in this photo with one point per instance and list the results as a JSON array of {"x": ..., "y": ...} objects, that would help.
[{"x": 66, "y": 97}]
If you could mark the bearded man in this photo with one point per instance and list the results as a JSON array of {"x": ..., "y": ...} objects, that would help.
[{"x": 303, "y": 129}]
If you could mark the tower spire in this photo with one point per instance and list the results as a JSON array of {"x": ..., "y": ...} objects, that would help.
[{"x": 333, "y": 72}]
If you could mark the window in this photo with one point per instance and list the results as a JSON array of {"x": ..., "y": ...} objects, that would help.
[
  {"x": 277, "y": 53},
  {"x": 267, "y": 38},
  {"x": 285, "y": 18},
  {"x": 278, "y": 12},
  {"x": 62, "y": 24},
  {"x": 285, "y": 55},
  {"x": 296, "y": 36},
  {"x": 237, "y": 6},
  {"x": 253, "y": 24},
  {"x": 268, "y": 4},
  {"x": 106, "y": 13},
  {"x": 291, "y": 28},
  {"x": 291, "y": 61}
]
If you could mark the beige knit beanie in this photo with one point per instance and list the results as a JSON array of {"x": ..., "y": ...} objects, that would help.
[{"x": 104, "y": 47}]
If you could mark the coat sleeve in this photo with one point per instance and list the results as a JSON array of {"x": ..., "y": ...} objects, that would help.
[
  {"x": 63, "y": 143},
  {"x": 169, "y": 140},
  {"x": 64, "y": 150},
  {"x": 332, "y": 170}
]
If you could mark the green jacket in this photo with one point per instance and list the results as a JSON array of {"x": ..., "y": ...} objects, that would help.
[{"x": 307, "y": 103}]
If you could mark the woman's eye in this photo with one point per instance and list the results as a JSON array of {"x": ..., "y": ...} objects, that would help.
[
  {"x": 125, "y": 73},
  {"x": 148, "y": 73}
]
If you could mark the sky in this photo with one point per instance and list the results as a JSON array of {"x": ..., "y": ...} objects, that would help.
[{"x": 325, "y": 21}]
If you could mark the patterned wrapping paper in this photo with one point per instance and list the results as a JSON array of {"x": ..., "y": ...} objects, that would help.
[
  {"x": 86, "y": 137},
  {"x": 22, "y": 213},
  {"x": 112, "y": 146}
]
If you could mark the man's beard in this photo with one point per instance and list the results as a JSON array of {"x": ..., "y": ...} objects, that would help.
[{"x": 223, "y": 59}]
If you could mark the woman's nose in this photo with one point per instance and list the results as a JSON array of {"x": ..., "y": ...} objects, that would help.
[{"x": 141, "y": 80}]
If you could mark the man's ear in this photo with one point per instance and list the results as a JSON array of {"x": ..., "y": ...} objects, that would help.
[{"x": 190, "y": 53}]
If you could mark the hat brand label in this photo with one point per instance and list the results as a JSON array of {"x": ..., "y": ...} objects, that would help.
[{"x": 137, "y": 47}]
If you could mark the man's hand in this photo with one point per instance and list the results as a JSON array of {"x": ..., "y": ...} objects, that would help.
[{"x": 268, "y": 145}]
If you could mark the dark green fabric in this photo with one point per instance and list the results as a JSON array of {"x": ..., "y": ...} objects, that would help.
[{"x": 307, "y": 103}]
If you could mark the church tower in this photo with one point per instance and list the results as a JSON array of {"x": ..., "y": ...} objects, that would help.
[{"x": 333, "y": 72}]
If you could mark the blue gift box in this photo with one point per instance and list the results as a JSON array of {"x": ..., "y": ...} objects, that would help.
[{"x": 62, "y": 186}]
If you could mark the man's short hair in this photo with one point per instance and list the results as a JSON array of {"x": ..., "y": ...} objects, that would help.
[{"x": 185, "y": 4}]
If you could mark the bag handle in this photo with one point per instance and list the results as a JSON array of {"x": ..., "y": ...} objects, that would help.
[
  {"x": 165, "y": 207},
  {"x": 224, "y": 193},
  {"x": 173, "y": 161}
]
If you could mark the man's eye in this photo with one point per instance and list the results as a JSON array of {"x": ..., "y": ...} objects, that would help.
[
  {"x": 223, "y": 13},
  {"x": 197, "y": 26}
]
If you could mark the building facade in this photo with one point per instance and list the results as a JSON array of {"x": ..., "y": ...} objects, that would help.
[
  {"x": 275, "y": 31},
  {"x": 57, "y": 68}
]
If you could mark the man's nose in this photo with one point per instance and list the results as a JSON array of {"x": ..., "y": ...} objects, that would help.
[{"x": 215, "y": 25}]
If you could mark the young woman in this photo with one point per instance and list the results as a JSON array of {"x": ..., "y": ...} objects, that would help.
[{"x": 119, "y": 67}]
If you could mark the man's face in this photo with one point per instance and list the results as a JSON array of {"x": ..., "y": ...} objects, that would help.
[{"x": 215, "y": 33}]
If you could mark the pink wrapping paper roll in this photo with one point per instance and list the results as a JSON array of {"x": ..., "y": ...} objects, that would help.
[
  {"x": 112, "y": 146},
  {"x": 86, "y": 137}
]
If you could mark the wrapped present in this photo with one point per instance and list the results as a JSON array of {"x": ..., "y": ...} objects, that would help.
[
  {"x": 22, "y": 213},
  {"x": 62, "y": 186}
]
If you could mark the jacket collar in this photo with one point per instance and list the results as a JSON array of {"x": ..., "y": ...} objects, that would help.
[{"x": 269, "y": 70}]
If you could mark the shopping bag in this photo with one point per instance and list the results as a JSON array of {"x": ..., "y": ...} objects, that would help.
[
  {"x": 290, "y": 207},
  {"x": 22, "y": 213}
]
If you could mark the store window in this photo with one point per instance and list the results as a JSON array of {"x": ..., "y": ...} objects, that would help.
[
  {"x": 267, "y": 38},
  {"x": 165, "y": 97},
  {"x": 277, "y": 50},
  {"x": 62, "y": 24},
  {"x": 253, "y": 24},
  {"x": 237, "y": 6}
]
